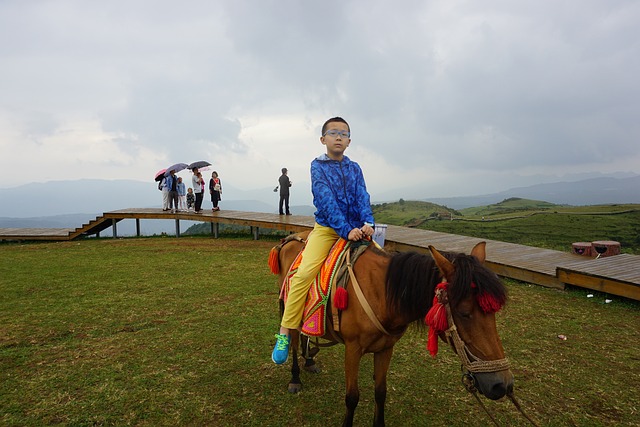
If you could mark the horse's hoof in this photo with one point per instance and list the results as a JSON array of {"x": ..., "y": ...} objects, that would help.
[
  {"x": 295, "y": 388},
  {"x": 312, "y": 368}
]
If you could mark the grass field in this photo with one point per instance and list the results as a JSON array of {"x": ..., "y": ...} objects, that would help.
[{"x": 165, "y": 332}]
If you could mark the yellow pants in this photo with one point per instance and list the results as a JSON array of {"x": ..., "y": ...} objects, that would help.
[{"x": 319, "y": 243}]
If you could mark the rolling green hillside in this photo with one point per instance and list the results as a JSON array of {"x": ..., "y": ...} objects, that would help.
[
  {"x": 411, "y": 213},
  {"x": 523, "y": 221}
]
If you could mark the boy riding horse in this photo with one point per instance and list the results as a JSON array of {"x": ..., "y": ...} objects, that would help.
[{"x": 343, "y": 209}]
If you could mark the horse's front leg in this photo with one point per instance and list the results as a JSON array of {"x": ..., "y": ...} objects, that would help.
[
  {"x": 295, "y": 385},
  {"x": 381, "y": 361},
  {"x": 352, "y": 356}
]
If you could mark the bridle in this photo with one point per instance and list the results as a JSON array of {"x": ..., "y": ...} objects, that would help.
[{"x": 472, "y": 364}]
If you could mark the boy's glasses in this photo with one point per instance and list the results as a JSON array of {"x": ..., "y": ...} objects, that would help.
[{"x": 334, "y": 133}]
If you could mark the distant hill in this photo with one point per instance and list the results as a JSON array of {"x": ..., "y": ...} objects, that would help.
[
  {"x": 411, "y": 213},
  {"x": 510, "y": 206},
  {"x": 595, "y": 191}
]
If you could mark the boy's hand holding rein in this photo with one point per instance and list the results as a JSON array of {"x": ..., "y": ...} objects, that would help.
[{"x": 360, "y": 233}]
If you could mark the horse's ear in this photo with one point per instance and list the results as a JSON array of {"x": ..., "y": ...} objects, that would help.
[
  {"x": 478, "y": 251},
  {"x": 444, "y": 265}
]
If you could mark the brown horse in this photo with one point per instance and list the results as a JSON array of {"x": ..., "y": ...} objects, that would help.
[{"x": 400, "y": 290}]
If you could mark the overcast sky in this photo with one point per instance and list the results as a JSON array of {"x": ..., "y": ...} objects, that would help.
[{"x": 458, "y": 97}]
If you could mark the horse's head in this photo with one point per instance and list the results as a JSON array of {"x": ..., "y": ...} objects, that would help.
[{"x": 469, "y": 296}]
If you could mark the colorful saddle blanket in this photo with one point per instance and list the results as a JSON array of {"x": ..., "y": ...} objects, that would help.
[{"x": 315, "y": 309}]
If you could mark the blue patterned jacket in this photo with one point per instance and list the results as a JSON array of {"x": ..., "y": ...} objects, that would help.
[{"x": 340, "y": 194}]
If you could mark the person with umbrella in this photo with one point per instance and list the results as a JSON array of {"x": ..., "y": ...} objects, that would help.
[
  {"x": 165, "y": 192},
  {"x": 161, "y": 176},
  {"x": 196, "y": 182},
  {"x": 172, "y": 185}
]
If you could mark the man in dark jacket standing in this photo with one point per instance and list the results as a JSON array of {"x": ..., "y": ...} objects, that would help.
[{"x": 285, "y": 183}]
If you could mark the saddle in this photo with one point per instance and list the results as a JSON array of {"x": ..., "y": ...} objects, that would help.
[{"x": 333, "y": 274}]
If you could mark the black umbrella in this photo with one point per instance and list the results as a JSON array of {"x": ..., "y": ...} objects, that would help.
[
  {"x": 177, "y": 167},
  {"x": 199, "y": 164}
]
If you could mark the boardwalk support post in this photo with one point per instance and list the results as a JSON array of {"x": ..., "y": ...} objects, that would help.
[
  {"x": 138, "y": 227},
  {"x": 114, "y": 227},
  {"x": 177, "y": 227}
]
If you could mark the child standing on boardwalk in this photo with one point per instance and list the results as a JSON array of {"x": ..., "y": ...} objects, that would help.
[
  {"x": 343, "y": 209},
  {"x": 182, "y": 195},
  {"x": 191, "y": 199}
]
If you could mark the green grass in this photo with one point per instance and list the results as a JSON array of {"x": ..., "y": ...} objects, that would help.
[
  {"x": 526, "y": 222},
  {"x": 165, "y": 331}
]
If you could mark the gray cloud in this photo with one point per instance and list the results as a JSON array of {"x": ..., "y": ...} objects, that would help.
[{"x": 465, "y": 86}]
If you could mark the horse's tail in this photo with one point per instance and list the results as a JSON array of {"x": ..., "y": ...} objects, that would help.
[{"x": 274, "y": 259}]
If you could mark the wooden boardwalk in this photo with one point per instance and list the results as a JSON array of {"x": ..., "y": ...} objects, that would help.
[{"x": 617, "y": 275}]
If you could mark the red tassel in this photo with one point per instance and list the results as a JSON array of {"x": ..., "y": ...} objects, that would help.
[
  {"x": 341, "y": 299},
  {"x": 432, "y": 343},
  {"x": 436, "y": 320},
  {"x": 274, "y": 262},
  {"x": 488, "y": 303}
]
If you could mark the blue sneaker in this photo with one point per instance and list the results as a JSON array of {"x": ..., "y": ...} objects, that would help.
[{"x": 281, "y": 350}]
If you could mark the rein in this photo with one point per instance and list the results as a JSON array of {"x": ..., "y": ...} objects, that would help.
[
  {"x": 363, "y": 301},
  {"x": 469, "y": 366}
]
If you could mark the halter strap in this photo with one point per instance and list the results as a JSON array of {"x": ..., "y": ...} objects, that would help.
[{"x": 471, "y": 362}]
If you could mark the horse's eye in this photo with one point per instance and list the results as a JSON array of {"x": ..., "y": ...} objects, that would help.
[
  {"x": 465, "y": 314},
  {"x": 465, "y": 309}
]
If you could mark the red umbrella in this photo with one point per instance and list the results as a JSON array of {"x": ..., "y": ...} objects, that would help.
[{"x": 160, "y": 174}]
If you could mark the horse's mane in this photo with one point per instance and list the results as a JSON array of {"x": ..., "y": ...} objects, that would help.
[{"x": 412, "y": 278}]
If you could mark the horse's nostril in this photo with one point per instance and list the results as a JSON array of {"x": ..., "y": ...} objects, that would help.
[
  {"x": 494, "y": 385},
  {"x": 498, "y": 391}
]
